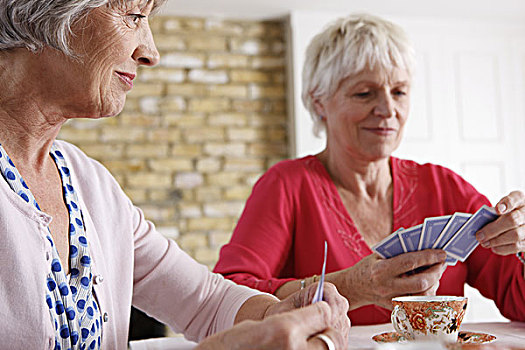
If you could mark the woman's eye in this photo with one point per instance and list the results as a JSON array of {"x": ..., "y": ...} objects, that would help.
[
  {"x": 400, "y": 93},
  {"x": 363, "y": 94},
  {"x": 136, "y": 17}
]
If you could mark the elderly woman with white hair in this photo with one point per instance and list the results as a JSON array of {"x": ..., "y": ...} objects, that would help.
[
  {"x": 75, "y": 252},
  {"x": 356, "y": 84}
]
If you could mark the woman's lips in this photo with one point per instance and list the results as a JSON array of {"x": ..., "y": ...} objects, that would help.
[
  {"x": 381, "y": 131},
  {"x": 127, "y": 78}
]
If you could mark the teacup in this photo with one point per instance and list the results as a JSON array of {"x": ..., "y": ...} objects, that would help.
[{"x": 428, "y": 317}]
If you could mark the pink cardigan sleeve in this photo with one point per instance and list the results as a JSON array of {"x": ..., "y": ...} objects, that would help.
[
  {"x": 255, "y": 253},
  {"x": 172, "y": 287}
]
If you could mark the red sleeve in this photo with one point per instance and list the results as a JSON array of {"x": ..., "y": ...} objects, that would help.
[
  {"x": 499, "y": 278},
  {"x": 262, "y": 237}
]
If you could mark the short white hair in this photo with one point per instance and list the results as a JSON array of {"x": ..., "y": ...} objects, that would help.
[
  {"x": 34, "y": 24},
  {"x": 346, "y": 47}
]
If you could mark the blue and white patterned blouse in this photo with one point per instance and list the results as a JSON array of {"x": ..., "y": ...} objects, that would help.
[{"x": 72, "y": 305}]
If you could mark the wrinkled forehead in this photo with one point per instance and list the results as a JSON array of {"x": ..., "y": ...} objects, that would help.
[
  {"x": 134, "y": 3},
  {"x": 378, "y": 75}
]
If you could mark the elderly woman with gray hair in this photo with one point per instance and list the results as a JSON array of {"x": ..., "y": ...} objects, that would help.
[
  {"x": 75, "y": 252},
  {"x": 356, "y": 84}
]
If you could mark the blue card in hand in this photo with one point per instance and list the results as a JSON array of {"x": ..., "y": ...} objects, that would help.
[
  {"x": 464, "y": 241},
  {"x": 390, "y": 246},
  {"x": 410, "y": 238},
  {"x": 318, "y": 296},
  {"x": 431, "y": 230}
]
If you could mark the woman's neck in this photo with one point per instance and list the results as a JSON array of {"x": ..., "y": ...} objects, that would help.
[
  {"x": 361, "y": 178},
  {"x": 29, "y": 125}
]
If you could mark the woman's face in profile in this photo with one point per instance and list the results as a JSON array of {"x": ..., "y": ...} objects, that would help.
[
  {"x": 111, "y": 43},
  {"x": 366, "y": 115}
]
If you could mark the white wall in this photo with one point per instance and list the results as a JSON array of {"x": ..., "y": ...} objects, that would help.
[{"x": 467, "y": 111}]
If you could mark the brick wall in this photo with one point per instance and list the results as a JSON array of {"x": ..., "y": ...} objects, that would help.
[{"x": 198, "y": 129}]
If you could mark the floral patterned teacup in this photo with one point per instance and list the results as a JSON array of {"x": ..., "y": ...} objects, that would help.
[{"x": 429, "y": 317}]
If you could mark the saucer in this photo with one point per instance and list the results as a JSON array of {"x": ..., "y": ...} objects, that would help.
[{"x": 463, "y": 338}]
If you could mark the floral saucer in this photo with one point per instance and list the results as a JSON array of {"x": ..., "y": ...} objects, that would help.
[{"x": 463, "y": 338}]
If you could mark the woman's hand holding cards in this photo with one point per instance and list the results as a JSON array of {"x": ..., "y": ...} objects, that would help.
[
  {"x": 374, "y": 280},
  {"x": 506, "y": 235}
]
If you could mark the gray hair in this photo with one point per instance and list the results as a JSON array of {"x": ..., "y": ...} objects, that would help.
[
  {"x": 346, "y": 47},
  {"x": 34, "y": 24}
]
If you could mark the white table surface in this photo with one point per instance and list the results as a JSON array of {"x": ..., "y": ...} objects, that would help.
[{"x": 509, "y": 334}]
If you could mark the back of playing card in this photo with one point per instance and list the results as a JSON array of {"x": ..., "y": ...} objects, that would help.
[
  {"x": 410, "y": 238},
  {"x": 431, "y": 230},
  {"x": 464, "y": 241},
  {"x": 390, "y": 246},
  {"x": 453, "y": 225}
]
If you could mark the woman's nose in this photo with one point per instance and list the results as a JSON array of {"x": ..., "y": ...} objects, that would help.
[
  {"x": 385, "y": 107},
  {"x": 146, "y": 52}
]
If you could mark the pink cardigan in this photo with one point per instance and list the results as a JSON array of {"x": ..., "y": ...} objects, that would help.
[{"x": 132, "y": 264}]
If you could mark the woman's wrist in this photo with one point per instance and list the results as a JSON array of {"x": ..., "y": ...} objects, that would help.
[{"x": 347, "y": 286}]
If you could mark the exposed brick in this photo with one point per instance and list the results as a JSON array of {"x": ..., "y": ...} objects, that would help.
[
  {"x": 225, "y": 149},
  {"x": 228, "y": 119},
  {"x": 148, "y": 180},
  {"x": 137, "y": 195},
  {"x": 237, "y": 192},
  {"x": 207, "y": 43},
  {"x": 219, "y": 238},
  {"x": 183, "y": 60},
  {"x": 120, "y": 134},
  {"x": 126, "y": 165},
  {"x": 205, "y": 224},
  {"x": 225, "y": 178},
  {"x": 141, "y": 120},
  {"x": 164, "y": 135},
  {"x": 188, "y": 180},
  {"x": 206, "y": 255},
  {"x": 186, "y": 150},
  {"x": 206, "y": 194},
  {"x": 170, "y": 75},
  {"x": 147, "y": 89},
  {"x": 249, "y": 46},
  {"x": 78, "y": 135},
  {"x": 208, "y": 76},
  {"x": 169, "y": 42},
  {"x": 266, "y": 62},
  {"x": 199, "y": 135},
  {"x": 234, "y": 91},
  {"x": 172, "y": 104},
  {"x": 244, "y": 164},
  {"x": 218, "y": 26},
  {"x": 250, "y": 76},
  {"x": 267, "y": 149},
  {"x": 187, "y": 209},
  {"x": 246, "y": 134},
  {"x": 209, "y": 164},
  {"x": 208, "y": 104},
  {"x": 147, "y": 150},
  {"x": 193, "y": 241},
  {"x": 184, "y": 120},
  {"x": 104, "y": 151},
  {"x": 271, "y": 91},
  {"x": 223, "y": 209},
  {"x": 171, "y": 164},
  {"x": 188, "y": 89},
  {"x": 225, "y": 60}
]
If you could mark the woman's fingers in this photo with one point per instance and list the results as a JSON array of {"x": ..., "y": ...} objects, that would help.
[
  {"x": 506, "y": 235},
  {"x": 407, "y": 262},
  {"x": 513, "y": 200},
  {"x": 339, "y": 340}
]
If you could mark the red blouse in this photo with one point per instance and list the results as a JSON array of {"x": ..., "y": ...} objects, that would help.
[{"x": 295, "y": 207}]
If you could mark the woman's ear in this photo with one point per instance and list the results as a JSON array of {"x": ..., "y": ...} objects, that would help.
[{"x": 318, "y": 105}]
